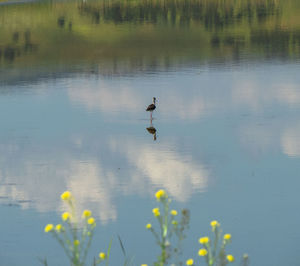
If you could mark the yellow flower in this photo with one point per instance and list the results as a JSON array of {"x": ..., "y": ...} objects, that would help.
[
  {"x": 156, "y": 212},
  {"x": 86, "y": 214},
  {"x": 230, "y": 258},
  {"x": 65, "y": 216},
  {"x": 76, "y": 242},
  {"x": 227, "y": 236},
  {"x": 144, "y": 264},
  {"x": 202, "y": 252},
  {"x": 204, "y": 240},
  {"x": 66, "y": 195},
  {"x": 91, "y": 221},
  {"x": 48, "y": 228},
  {"x": 58, "y": 227},
  {"x": 102, "y": 255},
  {"x": 149, "y": 226},
  {"x": 214, "y": 224},
  {"x": 174, "y": 222},
  {"x": 173, "y": 212},
  {"x": 160, "y": 194},
  {"x": 190, "y": 262}
]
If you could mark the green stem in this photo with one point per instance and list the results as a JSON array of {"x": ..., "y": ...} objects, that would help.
[
  {"x": 87, "y": 246},
  {"x": 62, "y": 244}
]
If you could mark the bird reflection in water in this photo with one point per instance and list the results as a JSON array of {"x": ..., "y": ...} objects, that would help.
[{"x": 152, "y": 129}]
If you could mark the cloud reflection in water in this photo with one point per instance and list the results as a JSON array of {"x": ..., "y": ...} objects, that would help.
[
  {"x": 290, "y": 141},
  {"x": 117, "y": 99},
  {"x": 41, "y": 175},
  {"x": 164, "y": 167},
  {"x": 95, "y": 184}
]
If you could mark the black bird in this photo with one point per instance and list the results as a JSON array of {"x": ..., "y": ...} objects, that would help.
[{"x": 151, "y": 107}]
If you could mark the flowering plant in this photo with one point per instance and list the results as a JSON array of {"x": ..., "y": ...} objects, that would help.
[{"x": 74, "y": 235}]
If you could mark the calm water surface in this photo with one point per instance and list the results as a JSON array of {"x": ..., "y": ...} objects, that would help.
[{"x": 75, "y": 80}]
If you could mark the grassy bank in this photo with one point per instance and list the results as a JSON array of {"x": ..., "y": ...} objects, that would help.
[{"x": 147, "y": 32}]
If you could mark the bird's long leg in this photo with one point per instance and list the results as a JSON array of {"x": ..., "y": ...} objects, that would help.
[{"x": 151, "y": 117}]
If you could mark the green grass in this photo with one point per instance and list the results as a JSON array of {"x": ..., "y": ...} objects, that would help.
[{"x": 119, "y": 31}]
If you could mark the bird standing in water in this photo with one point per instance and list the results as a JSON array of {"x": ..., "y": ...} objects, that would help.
[{"x": 151, "y": 107}]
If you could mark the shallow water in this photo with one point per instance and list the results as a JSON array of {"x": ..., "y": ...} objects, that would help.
[{"x": 75, "y": 81}]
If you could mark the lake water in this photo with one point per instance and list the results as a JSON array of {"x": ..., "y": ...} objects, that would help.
[{"x": 75, "y": 80}]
